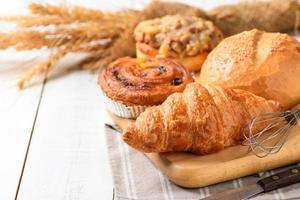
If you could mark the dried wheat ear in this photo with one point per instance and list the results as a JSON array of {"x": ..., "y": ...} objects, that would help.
[
  {"x": 76, "y": 29},
  {"x": 106, "y": 36}
]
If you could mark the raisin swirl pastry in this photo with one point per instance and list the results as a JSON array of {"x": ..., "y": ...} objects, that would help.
[
  {"x": 131, "y": 85},
  {"x": 186, "y": 39}
]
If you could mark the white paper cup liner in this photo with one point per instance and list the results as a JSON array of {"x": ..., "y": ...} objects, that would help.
[{"x": 122, "y": 110}]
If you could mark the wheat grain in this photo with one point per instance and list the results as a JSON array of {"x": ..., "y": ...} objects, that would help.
[
  {"x": 77, "y": 29},
  {"x": 36, "y": 20},
  {"x": 80, "y": 13},
  {"x": 46, "y": 65}
]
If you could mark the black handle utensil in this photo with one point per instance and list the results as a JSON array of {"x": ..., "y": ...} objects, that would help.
[
  {"x": 276, "y": 181},
  {"x": 279, "y": 180}
]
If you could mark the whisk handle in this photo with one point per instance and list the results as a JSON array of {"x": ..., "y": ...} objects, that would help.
[{"x": 282, "y": 179}]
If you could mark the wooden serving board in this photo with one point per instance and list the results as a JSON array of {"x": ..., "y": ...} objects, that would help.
[{"x": 191, "y": 171}]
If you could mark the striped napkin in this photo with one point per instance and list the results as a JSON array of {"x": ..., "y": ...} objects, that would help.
[{"x": 135, "y": 178}]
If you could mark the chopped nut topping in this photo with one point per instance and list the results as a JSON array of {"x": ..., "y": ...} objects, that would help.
[
  {"x": 179, "y": 35},
  {"x": 177, "y": 47}
]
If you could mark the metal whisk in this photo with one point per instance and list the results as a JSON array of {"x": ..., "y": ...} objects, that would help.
[{"x": 268, "y": 132}]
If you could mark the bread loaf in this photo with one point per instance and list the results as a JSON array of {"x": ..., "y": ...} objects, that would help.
[{"x": 267, "y": 64}]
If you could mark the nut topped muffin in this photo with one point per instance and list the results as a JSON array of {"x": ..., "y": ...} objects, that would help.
[{"x": 186, "y": 39}]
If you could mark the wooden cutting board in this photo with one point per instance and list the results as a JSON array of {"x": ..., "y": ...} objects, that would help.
[{"x": 189, "y": 170}]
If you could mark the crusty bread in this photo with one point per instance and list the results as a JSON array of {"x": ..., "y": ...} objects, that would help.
[{"x": 267, "y": 64}]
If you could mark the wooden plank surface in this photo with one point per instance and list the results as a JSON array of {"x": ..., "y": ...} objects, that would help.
[
  {"x": 18, "y": 111},
  {"x": 17, "y": 116},
  {"x": 191, "y": 171},
  {"x": 67, "y": 158}
]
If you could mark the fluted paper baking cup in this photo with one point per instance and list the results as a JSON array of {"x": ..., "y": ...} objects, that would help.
[{"x": 122, "y": 110}]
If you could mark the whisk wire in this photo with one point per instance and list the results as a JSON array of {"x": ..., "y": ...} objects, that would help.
[{"x": 268, "y": 132}]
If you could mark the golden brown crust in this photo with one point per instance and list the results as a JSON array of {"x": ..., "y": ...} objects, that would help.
[
  {"x": 201, "y": 120},
  {"x": 143, "y": 81},
  {"x": 187, "y": 39},
  {"x": 193, "y": 63},
  {"x": 267, "y": 64}
]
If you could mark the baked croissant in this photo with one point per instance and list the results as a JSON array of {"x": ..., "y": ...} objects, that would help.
[{"x": 202, "y": 120}]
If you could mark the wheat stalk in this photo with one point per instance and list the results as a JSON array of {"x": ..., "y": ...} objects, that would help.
[
  {"x": 76, "y": 29},
  {"x": 37, "y": 20},
  {"x": 104, "y": 35},
  {"x": 46, "y": 65},
  {"x": 80, "y": 14}
]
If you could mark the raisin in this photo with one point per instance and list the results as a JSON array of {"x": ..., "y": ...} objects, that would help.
[
  {"x": 162, "y": 69},
  {"x": 115, "y": 72},
  {"x": 126, "y": 83},
  {"x": 177, "y": 81}
]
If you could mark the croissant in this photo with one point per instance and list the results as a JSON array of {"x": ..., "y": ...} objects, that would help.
[{"x": 202, "y": 120}]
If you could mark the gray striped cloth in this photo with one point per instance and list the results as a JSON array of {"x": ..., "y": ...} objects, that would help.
[{"x": 135, "y": 178}]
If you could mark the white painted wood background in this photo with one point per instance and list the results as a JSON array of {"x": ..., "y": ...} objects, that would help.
[{"x": 52, "y": 144}]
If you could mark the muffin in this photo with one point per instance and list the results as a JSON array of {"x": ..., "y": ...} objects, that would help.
[
  {"x": 130, "y": 85},
  {"x": 186, "y": 39}
]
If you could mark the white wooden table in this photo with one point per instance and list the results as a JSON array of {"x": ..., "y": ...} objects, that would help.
[{"x": 52, "y": 143}]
